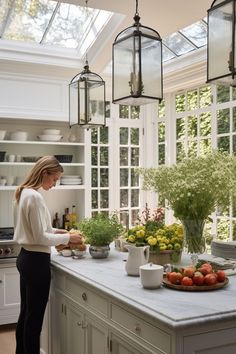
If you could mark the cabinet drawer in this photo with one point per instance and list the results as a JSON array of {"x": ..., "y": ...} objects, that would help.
[
  {"x": 86, "y": 297},
  {"x": 140, "y": 328}
]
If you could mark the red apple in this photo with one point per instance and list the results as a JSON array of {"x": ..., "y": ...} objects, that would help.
[
  {"x": 198, "y": 278},
  {"x": 220, "y": 275},
  {"x": 210, "y": 279}
]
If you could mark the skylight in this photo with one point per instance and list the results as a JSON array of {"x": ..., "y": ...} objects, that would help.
[
  {"x": 185, "y": 40},
  {"x": 51, "y": 23}
]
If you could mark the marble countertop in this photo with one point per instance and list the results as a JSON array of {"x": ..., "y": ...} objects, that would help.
[{"x": 173, "y": 308}]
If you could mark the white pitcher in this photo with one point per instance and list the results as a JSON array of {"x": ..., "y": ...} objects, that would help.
[{"x": 137, "y": 257}]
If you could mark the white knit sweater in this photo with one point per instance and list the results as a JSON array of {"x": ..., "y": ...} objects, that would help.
[{"x": 32, "y": 223}]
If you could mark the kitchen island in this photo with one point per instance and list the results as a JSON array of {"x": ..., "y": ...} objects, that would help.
[{"x": 97, "y": 308}]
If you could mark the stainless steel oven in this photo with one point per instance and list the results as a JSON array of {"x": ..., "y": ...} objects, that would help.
[{"x": 8, "y": 248}]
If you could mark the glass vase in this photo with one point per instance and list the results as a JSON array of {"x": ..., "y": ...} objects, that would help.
[{"x": 193, "y": 236}]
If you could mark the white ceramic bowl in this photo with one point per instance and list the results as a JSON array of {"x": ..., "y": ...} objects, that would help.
[
  {"x": 2, "y": 134},
  {"x": 19, "y": 135},
  {"x": 66, "y": 253},
  {"x": 51, "y": 132},
  {"x": 78, "y": 254},
  {"x": 49, "y": 137}
]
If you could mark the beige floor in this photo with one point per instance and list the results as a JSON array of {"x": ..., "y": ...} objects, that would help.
[{"x": 7, "y": 339}]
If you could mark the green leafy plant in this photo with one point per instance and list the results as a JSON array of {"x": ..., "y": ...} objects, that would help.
[
  {"x": 101, "y": 229},
  {"x": 195, "y": 186}
]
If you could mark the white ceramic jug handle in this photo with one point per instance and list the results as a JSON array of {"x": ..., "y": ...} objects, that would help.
[{"x": 146, "y": 252}]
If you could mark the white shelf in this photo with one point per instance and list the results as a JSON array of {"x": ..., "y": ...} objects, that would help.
[
  {"x": 61, "y": 187},
  {"x": 39, "y": 142},
  {"x": 5, "y": 163}
]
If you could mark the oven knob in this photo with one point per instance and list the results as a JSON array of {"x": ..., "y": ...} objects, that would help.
[
  {"x": 1, "y": 252},
  {"x": 7, "y": 251}
]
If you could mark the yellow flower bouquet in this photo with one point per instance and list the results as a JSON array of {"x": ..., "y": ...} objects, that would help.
[{"x": 166, "y": 241}]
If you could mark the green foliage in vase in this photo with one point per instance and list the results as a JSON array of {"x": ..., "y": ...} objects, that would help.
[
  {"x": 195, "y": 186},
  {"x": 101, "y": 229}
]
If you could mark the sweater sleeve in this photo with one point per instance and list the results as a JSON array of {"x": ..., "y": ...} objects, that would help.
[{"x": 40, "y": 224}]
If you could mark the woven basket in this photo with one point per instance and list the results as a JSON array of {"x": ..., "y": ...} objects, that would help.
[{"x": 165, "y": 257}]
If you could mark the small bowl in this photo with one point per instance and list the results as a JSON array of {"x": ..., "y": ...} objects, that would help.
[
  {"x": 19, "y": 135},
  {"x": 51, "y": 132},
  {"x": 66, "y": 252},
  {"x": 78, "y": 254},
  {"x": 50, "y": 137}
]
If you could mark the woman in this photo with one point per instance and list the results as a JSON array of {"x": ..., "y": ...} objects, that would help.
[{"x": 34, "y": 232}]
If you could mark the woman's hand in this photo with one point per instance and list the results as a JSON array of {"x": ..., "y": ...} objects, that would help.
[{"x": 75, "y": 237}]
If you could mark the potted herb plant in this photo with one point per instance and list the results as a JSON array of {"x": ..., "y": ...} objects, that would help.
[{"x": 99, "y": 231}]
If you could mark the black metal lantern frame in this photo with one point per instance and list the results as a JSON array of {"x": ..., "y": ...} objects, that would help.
[
  {"x": 137, "y": 75},
  {"x": 221, "y": 47},
  {"x": 87, "y": 99}
]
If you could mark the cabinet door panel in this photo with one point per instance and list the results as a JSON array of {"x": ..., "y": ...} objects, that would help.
[
  {"x": 97, "y": 337},
  {"x": 75, "y": 331},
  {"x": 57, "y": 323},
  {"x": 10, "y": 283}
]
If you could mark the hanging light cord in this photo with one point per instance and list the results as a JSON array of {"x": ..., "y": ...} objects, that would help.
[
  {"x": 136, "y": 11},
  {"x": 86, "y": 56},
  {"x": 136, "y": 16}
]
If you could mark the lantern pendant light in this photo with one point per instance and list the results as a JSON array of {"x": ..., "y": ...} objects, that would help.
[
  {"x": 87, "y": 98},
  {"x": 137, "y": 76},
  {"x": 221, "y": 50}
]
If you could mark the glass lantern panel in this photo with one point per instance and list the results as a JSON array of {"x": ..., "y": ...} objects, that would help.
[
  {"x": 73, "y": 103},
  {"x": 82, "y": 102},
  {"x": 151, "y": 54},
  {"x": 96, "y": 102},
  {"x": 125, "y": 67},
  {"x": 220, "y": 41}
]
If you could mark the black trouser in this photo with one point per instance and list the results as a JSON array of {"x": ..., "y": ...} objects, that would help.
[{"x": 35, "y": 277}]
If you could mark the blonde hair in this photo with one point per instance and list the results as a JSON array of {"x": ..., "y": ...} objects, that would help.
[{"x": 34, "y": 179}]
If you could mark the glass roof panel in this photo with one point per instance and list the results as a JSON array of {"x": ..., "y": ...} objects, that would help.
[
  {"x": 4, "y": 8},
  {"x": 48, "y": 22},
  {"x": 91, "y": 34},
  {"x": 196, "y": 33},
  {"x": 167, "y": 54},
  {"x": 28, "y": 20},
  {"x": 178, "y": 44},
  {"x": 68, "y": 25}
]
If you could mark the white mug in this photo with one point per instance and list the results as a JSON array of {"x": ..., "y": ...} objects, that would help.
[{"x": 11, "y": 158}]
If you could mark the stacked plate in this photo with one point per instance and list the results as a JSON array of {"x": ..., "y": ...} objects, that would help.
[
  {"x": 224, "y": 249},
  {"x": 50, "y": 135},
  {"x": 70, "y": 180}
]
